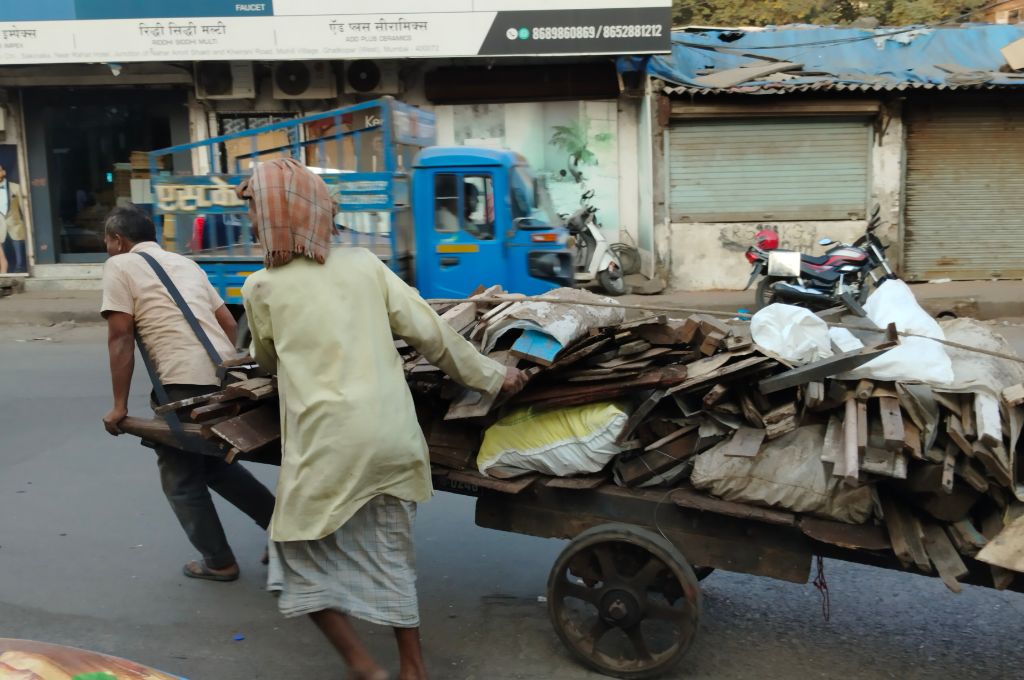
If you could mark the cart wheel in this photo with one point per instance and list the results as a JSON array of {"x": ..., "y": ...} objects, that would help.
[{"x": 624, "y": 601}]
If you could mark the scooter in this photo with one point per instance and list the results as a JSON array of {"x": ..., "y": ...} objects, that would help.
[
  {"x": 594, "y": 258},
  {"x": 842, "y": 275}
]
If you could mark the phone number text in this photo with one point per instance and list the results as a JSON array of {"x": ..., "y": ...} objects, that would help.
[{"x": 593, "y": 32}]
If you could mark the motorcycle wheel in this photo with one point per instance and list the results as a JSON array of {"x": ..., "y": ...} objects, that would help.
[
  {"x": 613, "y": 283},
  {"x": 764, "y": 295}
]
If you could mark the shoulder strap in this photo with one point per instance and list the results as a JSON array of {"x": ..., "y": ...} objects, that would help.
[{"x": 186, "y": 311}]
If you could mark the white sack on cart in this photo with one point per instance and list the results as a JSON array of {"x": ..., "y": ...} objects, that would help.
[
  {"x": 793, "y": 333},
  {"x": 559, "y": 442},
  {"x": 787, "y": 473},
  {"x": 916, "y": 359}
]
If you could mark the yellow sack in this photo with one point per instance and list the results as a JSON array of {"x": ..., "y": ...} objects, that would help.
[{"x": 559, "y": 442}]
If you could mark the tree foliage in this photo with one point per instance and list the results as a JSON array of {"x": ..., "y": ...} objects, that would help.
[{"x": 826, "y": 12}]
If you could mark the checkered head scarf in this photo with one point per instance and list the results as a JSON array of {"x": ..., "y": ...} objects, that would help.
[{"x": 291, "y": 211}]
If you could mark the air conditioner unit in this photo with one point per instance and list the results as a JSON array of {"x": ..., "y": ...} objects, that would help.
[
  {"x": 365, "y": 76},
  {"x": 225, "y": 80},
  {"x": 304, "y": 80}
]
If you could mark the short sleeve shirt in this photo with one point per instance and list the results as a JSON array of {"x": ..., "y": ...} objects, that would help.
[{"x": 131, "y": 286}]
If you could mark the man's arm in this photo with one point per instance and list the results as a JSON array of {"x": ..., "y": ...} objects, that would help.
[
  {"x": 121, "y": 347},
  {"x": 227, "y": 322},
  {"x": 413, "y": 320},
  {"x": 262, "y": 348}
]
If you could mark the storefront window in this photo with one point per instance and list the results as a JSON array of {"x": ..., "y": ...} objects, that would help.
[{"x": 95, "y": 159}]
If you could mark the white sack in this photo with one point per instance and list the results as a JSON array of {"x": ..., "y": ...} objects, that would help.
[
  {"x": 787, "y": 473},
  {"x": 916, "y": 359},
  {"x": 793, "y": 333}
]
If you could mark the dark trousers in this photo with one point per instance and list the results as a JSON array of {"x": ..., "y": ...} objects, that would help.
[{"x": 187, "y": 478}]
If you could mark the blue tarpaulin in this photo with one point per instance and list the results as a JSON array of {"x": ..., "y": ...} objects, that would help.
[{"x": 840, "y": 58}]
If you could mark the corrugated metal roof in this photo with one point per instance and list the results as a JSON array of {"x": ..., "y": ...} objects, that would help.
[{"x": 839, "y": 59}]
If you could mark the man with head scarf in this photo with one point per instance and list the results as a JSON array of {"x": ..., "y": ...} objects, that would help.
[{"x": 354, "y": 461}]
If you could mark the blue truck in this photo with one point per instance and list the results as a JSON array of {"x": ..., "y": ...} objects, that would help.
[{"x": 446, "y": 219}]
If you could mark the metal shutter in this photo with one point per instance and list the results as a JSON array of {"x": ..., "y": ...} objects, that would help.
[
  {"x": 769, "y": 169},
  {"x": 964, "y": 214}
]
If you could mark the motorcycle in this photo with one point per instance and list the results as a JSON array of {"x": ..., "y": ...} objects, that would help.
[
  {"x": 594, "y": 257},
  {"x": 843, "y": 275}
]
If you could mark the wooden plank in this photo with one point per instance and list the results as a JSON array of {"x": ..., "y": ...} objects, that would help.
[
  {"x": 649, "y": 464},
  {"x": 862, "y": 427},
  {"x": 667, "y": 333},
  {"x": 581, "y": 483},
  {"x": 781, "y": 420},
  {"x": 536, "y": 346},
  {"x": 651, "y": 353},
  {"x": 156, "y": 430},
  {"x": 912, "y": 440},
  {"x": 976, "y": 480},
  {"x": 731, "y": 371},
  {"x": 814, "y": 395},
  {"x": 634, "y": 347},
  {"x": 690, "y": 331},
  {"x": 850, "y": 536},
  {"x": 949, "y": 468},
  {"x": 823, "y": 368},
  {"x": 638, "y": 415},
  {"x": 851, "y": 448},
  {"x": 461, "y": 316},
  {"x": 737, "y": 342},
  {"x": 1014, "y": 395},
  {"x": 255, "y": 389},
  {"x": 221, "y": 409},
  {"x": 1006, "y": 549},
  {"x": 749, "y": 410},
  {"x": 575, "y": 395},
  {"x": 191, "y": 401},
  {"x": 988, "y": 420},
  {"x": 745, "y": 442},
  {"x": 967, "y": 416},
  {"x": 997, "y": 463},
  {"x": 709, "y": 324},
  {"x": 693, "y": 500},
  {"x": 584, "y": 350},
  {"x": 715, "y": 395},
  {"x": 712, "y": 342},
  {"x": 955, "y": 432},
  {"x": 893, "y": 433},
  {"x": 864, "y": 389},
  {"x": 966, "y": 537},
  {"x": 671, "y": 437},
  {"x": 904, "y": 534},
  {"x": 252, "y": 429},
  {"x": 944, "y": 556},
  {"x": 473, "y": 478}
]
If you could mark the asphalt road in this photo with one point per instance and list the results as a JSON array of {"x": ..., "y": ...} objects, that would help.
[{"x": 90, "y": 556}]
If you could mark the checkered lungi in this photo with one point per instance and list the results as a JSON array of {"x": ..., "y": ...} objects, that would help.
[{"x": 365, "y": 569}]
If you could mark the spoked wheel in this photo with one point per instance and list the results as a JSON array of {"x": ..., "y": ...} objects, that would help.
[{"x": 624, "y": 601}]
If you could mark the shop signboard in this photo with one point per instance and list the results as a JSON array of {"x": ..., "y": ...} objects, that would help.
[{"x": 113, "y": 31}]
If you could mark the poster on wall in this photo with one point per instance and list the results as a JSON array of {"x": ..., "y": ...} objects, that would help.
[
  {"x": 84, "y": 31},
  {"x": 573, "y": 145},
  {"x": 13, "y": 233}
]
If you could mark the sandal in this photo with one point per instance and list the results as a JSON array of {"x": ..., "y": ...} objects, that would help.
[{"x": 196, "y": 569}]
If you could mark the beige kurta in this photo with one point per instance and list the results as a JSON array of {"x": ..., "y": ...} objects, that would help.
[{"x": 348, "y": 425}]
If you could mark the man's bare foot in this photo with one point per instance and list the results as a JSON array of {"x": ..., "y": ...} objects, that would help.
[
  {"x": 197, "y": 569},
  {"x": 370, "y": 674}
]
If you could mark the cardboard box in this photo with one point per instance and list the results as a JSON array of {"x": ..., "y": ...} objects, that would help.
[{"x": 1014, "y": 54}]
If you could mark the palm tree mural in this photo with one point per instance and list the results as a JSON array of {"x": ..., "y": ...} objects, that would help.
[{"x": 575, "y": 139}]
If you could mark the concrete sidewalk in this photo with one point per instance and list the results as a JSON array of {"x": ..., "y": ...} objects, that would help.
[{"x": 978, "y": 299}]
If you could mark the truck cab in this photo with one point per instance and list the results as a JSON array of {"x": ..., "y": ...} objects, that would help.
[{"x": 482, "y": 217}]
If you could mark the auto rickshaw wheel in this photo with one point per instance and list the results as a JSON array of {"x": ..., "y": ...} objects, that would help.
[{"x": 624, "y": 601}]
